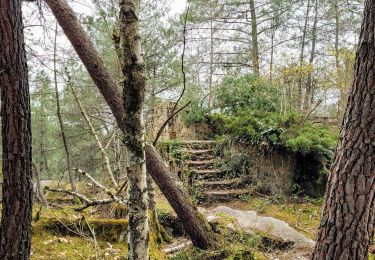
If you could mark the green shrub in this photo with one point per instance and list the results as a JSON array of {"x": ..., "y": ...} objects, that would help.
[
  {"x": 273, "y": 130},
  {"x": 195, "y": 114},
  {"x": 247, "y": 92}
]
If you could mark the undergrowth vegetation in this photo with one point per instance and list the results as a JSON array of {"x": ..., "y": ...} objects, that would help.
[{"x": 248, "y": 110}]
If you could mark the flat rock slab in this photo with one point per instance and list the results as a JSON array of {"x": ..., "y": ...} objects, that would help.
[{"x": 252, "y": 223}]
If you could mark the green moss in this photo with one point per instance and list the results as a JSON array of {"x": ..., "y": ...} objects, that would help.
[
  {"x": 173, "y": 148},
  {"x": 64, "y": 234}
]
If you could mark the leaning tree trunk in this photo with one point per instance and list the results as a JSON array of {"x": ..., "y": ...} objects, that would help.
[
  {"x": 134, "y": 136},
  {"x": 197, "y": 227},
  {"x": 108, "y": 88},
  {"x": 347, "y": 225},
  {"x": 15, "y": 234}
]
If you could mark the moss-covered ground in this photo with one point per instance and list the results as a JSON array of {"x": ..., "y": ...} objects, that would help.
[{"x": 62, "y": 233}]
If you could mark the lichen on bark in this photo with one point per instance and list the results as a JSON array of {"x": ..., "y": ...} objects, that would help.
[{"x": 134, "y": 139}]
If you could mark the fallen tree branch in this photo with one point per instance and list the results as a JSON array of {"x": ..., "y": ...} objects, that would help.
[
  {"x": 88, "y": 202},
  {"x": 178, "y": 247},
  {"x": 102, "y": 187}
]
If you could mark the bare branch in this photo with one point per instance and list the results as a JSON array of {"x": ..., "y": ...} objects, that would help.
[
  {"x": 184, "y": 83},
  {"x": 115, "y": 197},
  {"x": 93, "y": 133}
]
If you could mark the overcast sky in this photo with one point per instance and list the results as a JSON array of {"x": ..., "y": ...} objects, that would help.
[{"x": 178, "y": 6}]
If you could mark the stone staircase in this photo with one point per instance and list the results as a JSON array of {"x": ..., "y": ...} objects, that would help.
[{"x": 202, "y": 164}]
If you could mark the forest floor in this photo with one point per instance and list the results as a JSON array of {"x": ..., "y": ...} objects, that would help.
[{"x": 62, "y": 233}]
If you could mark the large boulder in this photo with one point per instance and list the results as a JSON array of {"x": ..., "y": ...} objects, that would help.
[{"x": 268, "y": 227}]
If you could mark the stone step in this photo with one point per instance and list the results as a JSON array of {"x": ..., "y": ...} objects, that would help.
[
  {"x": 201, "y": 164},
  {"x": 198, "y": 144},
  {"x": 207, "y": 174},
  {"x": 223, "y": 184},
  {"x": 198, "y": 151},
  {"x": 224, "y": 195},
  {"x": 199, "y": 155}
]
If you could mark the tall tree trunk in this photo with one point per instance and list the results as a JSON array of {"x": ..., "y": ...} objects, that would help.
[
  {"x": 337, "y": 57},
  {"x": 61, "y": 123},
  {"x": 15, "y": 231},
  {"x": 210, "y": 86},
  {"x": 347, "y": 224},
  {"x": 273, "y": 33},
  {"x": 254, "y": 39},
  {"x": 302, "y": 55},
  {"x": 196, "y": 226},
  {"x": 134, "y": 132},
  {"x": 309, "y": 83},
  {"x": 43, "y": 163}
]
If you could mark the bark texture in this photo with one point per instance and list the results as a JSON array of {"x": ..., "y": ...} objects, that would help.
[
  {"x": 15, "y": 232},
  {"x": 194, "y": 223},
  {"x": 108, "y": 88},
  {"x": 134, "y": 136},
  {"x": 347, "y": 224}
]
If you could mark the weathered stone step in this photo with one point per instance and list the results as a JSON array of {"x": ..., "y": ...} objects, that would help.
[
  {"x": 207, "y": 174},
  {"x": 198, "y": 144},
  {"x": 223, "y": 184},
  {"x": 201, "y": 162},
  {"x": 198, "y": 151},
  {"x": 224, "y": 195},
  {"x": 199, "y": 155}
]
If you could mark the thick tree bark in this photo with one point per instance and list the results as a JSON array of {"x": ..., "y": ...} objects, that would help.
[
  {"x": 254, "y": 39},
  {"x": 134, "y": 133},
  {"x": 194, "y": 223},
  {"x": 15, "y": 232},
  {"x": 108, "y": 88},
  {"x": 347, "y": 224}
]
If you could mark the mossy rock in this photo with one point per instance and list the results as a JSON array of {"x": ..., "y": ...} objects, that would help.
[{"x": 110, "y": 230}]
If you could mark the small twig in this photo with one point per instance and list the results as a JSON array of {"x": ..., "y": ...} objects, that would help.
[
  {"x": 166, "y": 122},
  {"x": 78, "y": 195},
  {"x": 100, "y": 186},
  {"x": 92, "y": 231},
  {"x": 122, "y": 186},
  {"x": 88, "y": 202},
  {"x": 184, "y": 82},
  {"x": 312, "y": 110},
  {"x": 111, "y": 138}
]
